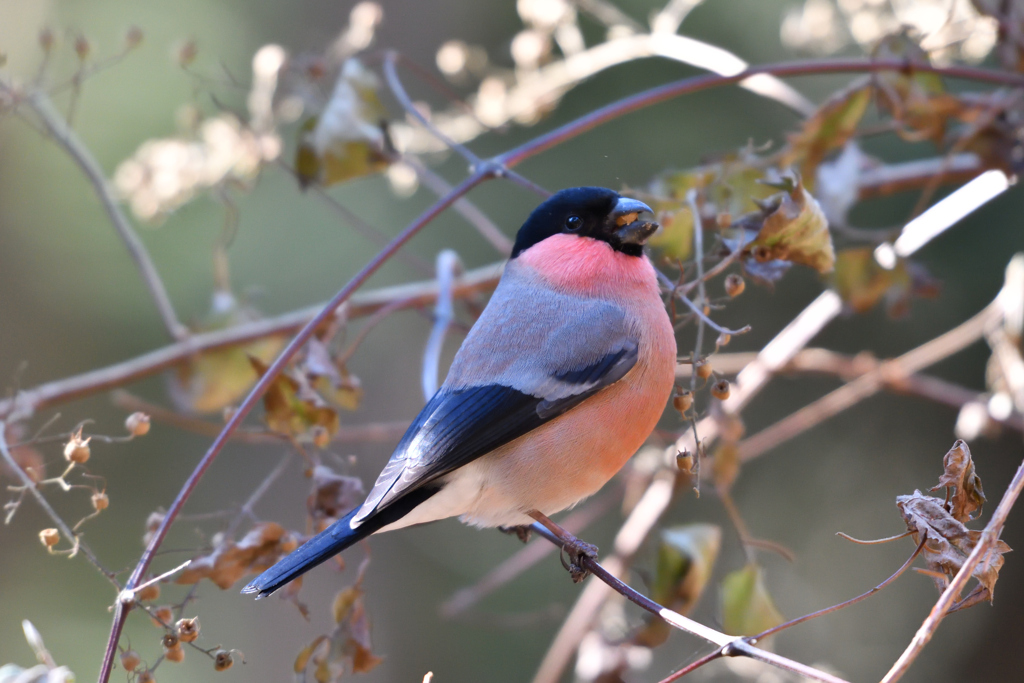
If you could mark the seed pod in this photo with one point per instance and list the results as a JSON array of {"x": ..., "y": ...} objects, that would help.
[
  {"x": 46, "y": 39},
  {"x": 682, "y": 401},
  {"x": 149, "y": 593},
  {"x": 685, "y": 461},
  {"x": 703, "y": 368},
  {"x": 49, "y": 537},
  {"x": 724, "y": 220},
  {"x": 321, "y": 437},
  {"x": 146, "y": 677},
  {"x": 130, "y": 660},
  {"x": 137, "y": 424},
  {"x": 187, "y": 52},
  {"x": 133, "y": 37},
  {"x": 720, "y": 390},
  {"x": 162, "y": 615},
  {"x": 723, "y": 340},
  {"x": 222, "y": 660},
  {"x": 175, "y": 654},
  {"x": 187, "y": 630},
  {"x": 77, "y": 449},
  {"x": 169, "y": 641},
  {"x": 82, "y": 47},
  {"x": 734, "y": 285},
  {"x": 100, "y": 501}
]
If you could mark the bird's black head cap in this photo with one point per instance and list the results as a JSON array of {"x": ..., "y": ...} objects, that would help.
[{"x": 594, "y": 212}]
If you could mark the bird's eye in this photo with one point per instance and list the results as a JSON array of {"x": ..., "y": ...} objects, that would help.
[{"x": 573, "y": 223}]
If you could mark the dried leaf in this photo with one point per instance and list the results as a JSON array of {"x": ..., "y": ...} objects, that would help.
[
  {"x": 348, "y": 647},
  {"x": 959, "y": 475},
  {"x": 347, "y": 139},
  {"x": 792, "y": 228},
  {"x": 332, "y": 497},
  {"x": 948, "y": 545},
  {"x": 331, "y": 379},
  {"x": 293, "y": 408},
  {"x": 747, "y": 608},
  {"x": 258, "y": 550},
  {"x": 917, "y": 100},
  {"x": 215, "y": 379},
  {"x": 861, "y": 282},
  {"x": 829, "y": 128}
]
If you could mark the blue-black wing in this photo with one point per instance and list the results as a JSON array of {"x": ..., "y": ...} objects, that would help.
[{"x": 458, "y": 426}]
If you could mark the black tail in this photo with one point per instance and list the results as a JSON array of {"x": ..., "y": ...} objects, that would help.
[{"x": 332, "y": 541}]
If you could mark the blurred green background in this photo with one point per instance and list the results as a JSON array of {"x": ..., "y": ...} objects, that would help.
[{"x": 70, "y": 301}]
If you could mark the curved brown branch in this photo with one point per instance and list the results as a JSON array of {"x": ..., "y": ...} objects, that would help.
[{"x": 327, "y": 313}]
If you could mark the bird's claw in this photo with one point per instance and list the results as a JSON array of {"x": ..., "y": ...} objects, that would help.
[
  {"x": 522, "y": 532},
  {"x": 573, "y": 552}
]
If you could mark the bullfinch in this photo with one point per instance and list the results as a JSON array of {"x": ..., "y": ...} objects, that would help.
[{"x": 556, "y": 386}]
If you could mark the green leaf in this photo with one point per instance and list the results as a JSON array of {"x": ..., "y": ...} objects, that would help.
[{"x": 747, "y": 608}]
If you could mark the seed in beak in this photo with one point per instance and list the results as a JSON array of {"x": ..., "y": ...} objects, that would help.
[{"x": 625, "y": 219}]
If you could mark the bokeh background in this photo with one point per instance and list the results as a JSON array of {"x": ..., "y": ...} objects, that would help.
[{"x": 70, "y": 301}]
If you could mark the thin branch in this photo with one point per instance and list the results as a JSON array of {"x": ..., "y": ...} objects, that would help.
[
  {"x": 1012, "y": 364},
  {"x": 891, "y": 372},
  {"x": 300, "y": 339},
  {"x": 708, "y": 321},
  {"x": 687, "y": 86},
  {"x": 412, "y": 295},
  {"x": 68, "y": 140},
  {"x": 29, "y": 485},
  {"x": 465, "y": 208},
  {"x": 846, "y": 603},
  {"x": 728, "y": 645}
]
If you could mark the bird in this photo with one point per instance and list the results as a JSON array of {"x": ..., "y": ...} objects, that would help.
[{"x": 558, "y": 383}]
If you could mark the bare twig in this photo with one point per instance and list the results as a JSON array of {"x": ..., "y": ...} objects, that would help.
[
  {"x": 729, "y": 645},
  {"x": 30, "y": 486},
  {"x": 411, "y": 295},
  {"x": 66, "y": 138},
  {"x": 891, "y": 372},
  {"x": 300, "y": 339}
]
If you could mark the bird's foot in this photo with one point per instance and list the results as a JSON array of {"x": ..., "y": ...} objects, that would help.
[
  {"x": 522, "y": 532},
  {"x": 573, "y": 552}
]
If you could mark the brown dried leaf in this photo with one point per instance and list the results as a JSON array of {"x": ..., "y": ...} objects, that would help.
[
  {"x": 333, "y": 496},
  {"x": 257, "y": 551},
  {"x": 348, "y": 647},
  {"x": 331, "y": 379},
  {"x": 827, "y": 129},
  {"x": 918, "y": 101},
  {"x": 959, "y": 475},
  {"x": 725, "y": 465},
  {"x": 791, "y": 227},
  {"x": 293, "y": 408},
  {"x": 949, "y": 543}
]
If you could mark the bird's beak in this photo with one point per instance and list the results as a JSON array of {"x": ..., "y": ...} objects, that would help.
[{"x": 629, "y": 229}]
